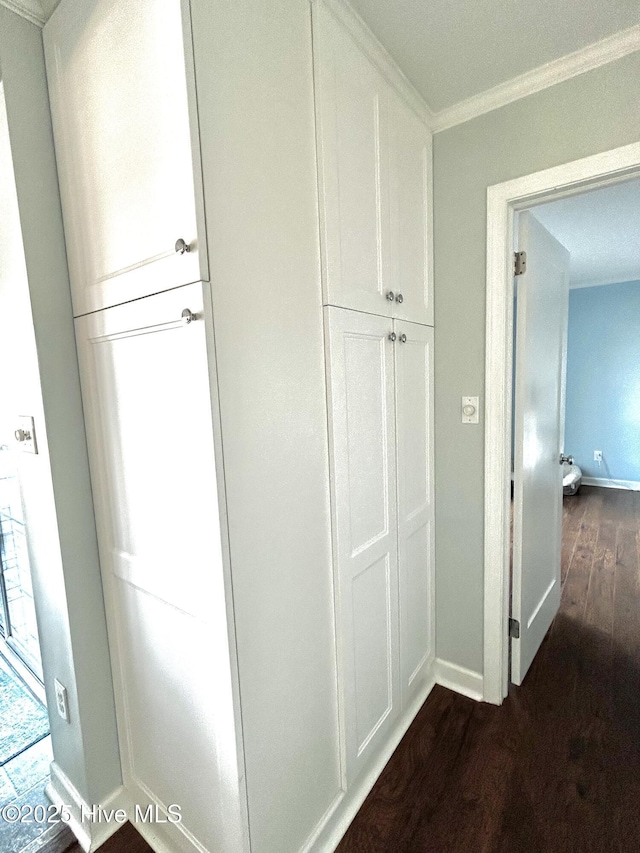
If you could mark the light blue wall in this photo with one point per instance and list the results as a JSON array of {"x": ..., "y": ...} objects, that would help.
[{"x": 603, "y": 380}]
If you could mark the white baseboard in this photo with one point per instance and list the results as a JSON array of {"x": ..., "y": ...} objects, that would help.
[
  {"x": 457, "y": 678},
  {"x": 344, "y": 808},
  {"x": 605, "y": 483},
  {"x": 91, "y": 834}
]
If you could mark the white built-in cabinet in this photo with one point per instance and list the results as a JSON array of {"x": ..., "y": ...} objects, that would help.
[
  {"x": 374, "y": 155},
  {"x": 122, "y": 97},
  {"x": 122, "y": 78},
  {"x": 380, "y": 374},
  {"x": 125, "y": 122},
  {"x": 374, "y": 162}
]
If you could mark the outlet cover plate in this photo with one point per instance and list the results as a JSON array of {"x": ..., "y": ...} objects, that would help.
[{"x": 470, "y": 413}]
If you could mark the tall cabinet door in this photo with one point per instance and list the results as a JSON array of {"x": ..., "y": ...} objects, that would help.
[
  {"x": 124, "y": 116},
  {"x": 146, "y": 392},
  {"x": 362, "y": 424},
  {"x": 351, "y": 109},
  {"x": 410, "y": 198},
  {"x": 414, "y": 442}
]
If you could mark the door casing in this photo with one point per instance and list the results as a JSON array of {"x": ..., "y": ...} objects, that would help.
[{"x": 503, "y": 201}]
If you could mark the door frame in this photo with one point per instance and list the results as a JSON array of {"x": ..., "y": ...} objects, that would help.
[{"x": 503, "y": 202}]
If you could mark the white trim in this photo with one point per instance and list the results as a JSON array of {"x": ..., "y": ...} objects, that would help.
[
  {"x": 376, "y": 53},
  {"x": 326, "y": 836},
  {"x": 90, "y": 834},
  {"x": 502, "y": 200},
  {"x": 558, "y": 71},
  {"x": 29, "y": 9},
  {"x": 458, "y": 678},
  {"x": 608, "y": 483}
]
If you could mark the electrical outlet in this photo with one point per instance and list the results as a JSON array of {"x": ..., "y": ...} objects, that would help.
[
  {"x": 62, "y": 703},
  {"x": 597, "y": 456}
]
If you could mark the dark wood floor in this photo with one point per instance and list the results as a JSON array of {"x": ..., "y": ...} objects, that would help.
[
  {"x": 126, "y": 840},
  {"x": 556, "y": 769}
]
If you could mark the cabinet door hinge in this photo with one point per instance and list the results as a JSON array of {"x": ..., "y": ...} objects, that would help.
[
  {"x": 514, "y": 629},
  {"x": 519, "y": 263}
]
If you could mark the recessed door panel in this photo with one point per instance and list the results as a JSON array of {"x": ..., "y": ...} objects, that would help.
[
  {"x": 410, "y": 204},
  {"x": 362, "y": 423},
  {"x": 367, "y": 440},
  {"x": 118, "y": 74},
  {"x": 371, "y": 647},
  {"x": 352, "y": 103},
  {"x": 414, "y": 418},
  {"x": 155, "y": 424}
]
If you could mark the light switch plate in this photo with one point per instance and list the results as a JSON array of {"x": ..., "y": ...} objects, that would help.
[
  {"x": 26, "y": 435},
  {"x": 470, "y": 410}
]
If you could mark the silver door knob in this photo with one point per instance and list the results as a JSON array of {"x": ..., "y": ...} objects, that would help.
[
  {"x": 188, "y": 316},
  {"x": 400, "y": 298},
  {"x": 181, "y": 246},
  {"x": 567, "y": 459},
  {"x": 391, "y": 296},
  {"x": 392, "y": 336},
  {"x": 403, "y": 338}
]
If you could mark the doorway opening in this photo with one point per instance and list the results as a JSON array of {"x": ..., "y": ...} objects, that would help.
[{"x": 505, "y": 202}]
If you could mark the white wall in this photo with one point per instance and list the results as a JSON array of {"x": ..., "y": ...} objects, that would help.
[
  {"x": 591, "y": 113},
  {"x": 255, "y": 97},
  {"x": 38, "y": 358}
]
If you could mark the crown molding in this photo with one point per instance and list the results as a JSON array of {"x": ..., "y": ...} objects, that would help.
[
  {"x": 384, "y": 62},
  {"x": 29, "y": 9},
  {"x": 572, "y": 65}
]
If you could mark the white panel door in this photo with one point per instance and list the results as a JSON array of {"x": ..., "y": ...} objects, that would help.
[
  {"x": 362, "y": 425},
  {"x": 542, "y": 310},
  {"x": 414, "y": 440},
  {"x": 123, "y": 108},
  {"x": 145, "y": 382},
  {"x": 351, "y": 109},
  {"x": 410, "y": 211}
]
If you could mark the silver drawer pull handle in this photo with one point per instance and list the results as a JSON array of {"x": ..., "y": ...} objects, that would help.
[
  {"x": 400, "y": 298},
  {"x": 392, "y": 336},
  {"x": 188, "y": 316},
  {"x": 181, "y": 246},
  {"x": 403, "y": 338},
  {"x": 391, "y": 296}
]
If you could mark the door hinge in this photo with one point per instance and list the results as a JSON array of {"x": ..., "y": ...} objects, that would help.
[
  {"x": 519, "y": 263},
  {"x": 514, "y": 629}
]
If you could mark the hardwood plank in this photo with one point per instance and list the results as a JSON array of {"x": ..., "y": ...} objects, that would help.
[
  {"x": 573, "y": 510},
  {"x": 600, "y": 600},
  {"x": 574, "y": 592},
  {"x": 125, "y": 840}
]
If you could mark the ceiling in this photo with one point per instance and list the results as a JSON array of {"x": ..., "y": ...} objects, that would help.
[
  {"x": 466, "y": 57},
  {"x": 452, "y": 50},
  {"x": 601, "y": 230}
]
